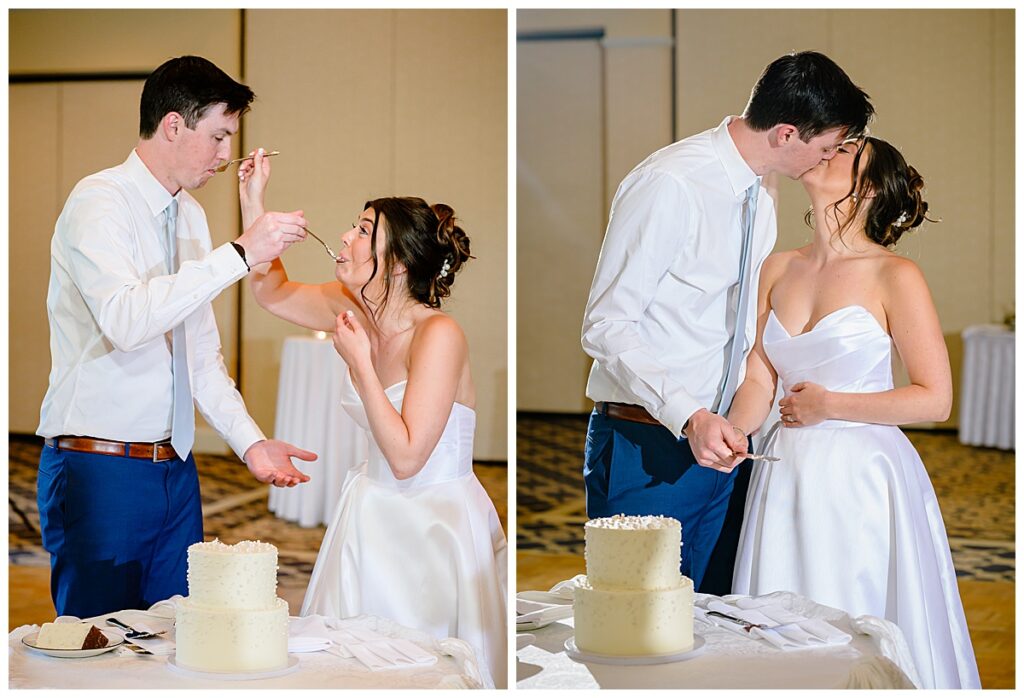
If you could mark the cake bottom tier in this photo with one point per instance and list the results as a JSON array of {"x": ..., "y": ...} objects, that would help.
[
  {"x": 634, "y": 623},
  {"x": 231, "y": 640}
]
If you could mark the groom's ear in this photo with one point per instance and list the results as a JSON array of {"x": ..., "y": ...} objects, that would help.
[{"x": 784, "y": 134}]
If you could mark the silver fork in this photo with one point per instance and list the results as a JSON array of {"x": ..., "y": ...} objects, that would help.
[
  {"x": 329, "y": 250},
  {"x": 221, "y": 168}
]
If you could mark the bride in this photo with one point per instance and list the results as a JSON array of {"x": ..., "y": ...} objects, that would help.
[
  {"x": 414, "y": 537},
  {"x": 848, "y": 516}
]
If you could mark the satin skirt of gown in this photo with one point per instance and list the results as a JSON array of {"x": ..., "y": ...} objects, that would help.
[
  {"x": 848, "y": 516},
  {"x": 427, "y": 552}
]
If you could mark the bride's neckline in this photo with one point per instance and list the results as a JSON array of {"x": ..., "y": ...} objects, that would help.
[{"x": 852, "y": 306}]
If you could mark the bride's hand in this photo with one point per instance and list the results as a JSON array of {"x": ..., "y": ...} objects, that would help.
[
  {"x": 805, "y": 406},
  {"x": 351, "y": 341},
  {"x": 253, "y": 176}
]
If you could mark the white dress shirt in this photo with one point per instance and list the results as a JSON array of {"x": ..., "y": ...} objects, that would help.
[
  {"x": 663, "y": 303},
  {"x": 112, "y": 303}
]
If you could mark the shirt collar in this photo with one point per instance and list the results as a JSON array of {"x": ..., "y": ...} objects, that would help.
[
  {"x": 737, "y": 171},
  {"x": 155, "y": 194}
]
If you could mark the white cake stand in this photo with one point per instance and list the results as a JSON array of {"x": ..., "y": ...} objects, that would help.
[
  {"x": 293, "y": 666},
  {"x": 589, "y": 657}
]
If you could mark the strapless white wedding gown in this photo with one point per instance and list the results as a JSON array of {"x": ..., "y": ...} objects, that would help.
[
  {"x": 848, "y": 516},
  {"x": 427, "y": 552}
]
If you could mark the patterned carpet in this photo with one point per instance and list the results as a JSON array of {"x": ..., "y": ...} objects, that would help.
[
  {"x": 234, "y": 509},
  {"x": 975, "y": 487}
]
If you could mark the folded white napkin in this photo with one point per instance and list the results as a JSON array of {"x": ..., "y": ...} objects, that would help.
[
  {"x": 390, "y": 653},
  {"x": 784, "y": 629},
  {"x": 376, "y": 651},
  {"x": 564, "y": 590},
  {"x": 308, "y": 644},
  {"x": 538, "y": 612}
]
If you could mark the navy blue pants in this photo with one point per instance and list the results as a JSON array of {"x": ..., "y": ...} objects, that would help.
[
  {"x": 633, "y": 468},
  {"x": 117, "y": 529}
]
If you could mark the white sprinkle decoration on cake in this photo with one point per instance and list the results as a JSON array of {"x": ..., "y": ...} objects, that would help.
[
  {"x": 634, "y": 523},
  {"x": 633, "y": 601},
  {"x": 232, "y": 620}
]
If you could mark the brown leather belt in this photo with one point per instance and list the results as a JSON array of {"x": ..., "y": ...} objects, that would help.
[
  {"x": 631, "y": 413},
  {"x": 157, "y": 452}
]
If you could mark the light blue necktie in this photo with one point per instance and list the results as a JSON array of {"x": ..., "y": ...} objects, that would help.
[
  {"x": 728, "y": 390},
  {"x": 183, "y": 419}
]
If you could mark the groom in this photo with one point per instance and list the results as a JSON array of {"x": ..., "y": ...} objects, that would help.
[
  {"x": 675, "y": 284},
  {"x": 135, "y": 346}
]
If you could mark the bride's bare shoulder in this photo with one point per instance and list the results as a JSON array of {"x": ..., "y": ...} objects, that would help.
[
  {"x": 777, "y": 263},
  {"x": 897, "y": 270},
  {"x": 438, "y": 329}
]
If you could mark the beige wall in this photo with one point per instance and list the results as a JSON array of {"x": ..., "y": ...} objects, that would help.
[
  {"x": 580, "y": 129},
  {"x": 377, "y": 105},
  {"x": 372, "y": 103},
  {"x": 943, "y": 85}
]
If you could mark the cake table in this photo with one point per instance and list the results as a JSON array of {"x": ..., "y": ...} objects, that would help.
[
  {"x": 456, "y": 666},
  {"x": 730, "y": 660}
]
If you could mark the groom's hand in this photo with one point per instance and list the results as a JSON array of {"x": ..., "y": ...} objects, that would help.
[
  {"x": 270, "y": 461},
  {"x": 714, "y": 442}
]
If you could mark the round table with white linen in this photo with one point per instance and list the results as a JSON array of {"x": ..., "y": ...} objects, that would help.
[
  {"x": 333, "y": 667},
  {"x": 987, "y": 387},
  {"x": 310, "y": 416},
  {"x": 875, "y": 657}
]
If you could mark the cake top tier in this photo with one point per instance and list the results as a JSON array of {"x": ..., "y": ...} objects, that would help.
[
  {"x": 635, "y": 523},
  {"x": 245, "y": 547}
]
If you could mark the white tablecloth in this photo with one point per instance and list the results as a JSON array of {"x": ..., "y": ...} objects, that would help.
[
  {"x": 987, "y": 387},
  {"x": 875, "y": 660},
  {"x": 121, "y": 668},
  {"x": 309, "y": 415}
]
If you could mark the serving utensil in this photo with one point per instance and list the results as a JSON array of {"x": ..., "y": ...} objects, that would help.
[
  {"x": 748, "y": 626},
  {"x": 225, "y": 166},
  {"x": 130, "y": 632},
  {"x": 758, "y": 456}
]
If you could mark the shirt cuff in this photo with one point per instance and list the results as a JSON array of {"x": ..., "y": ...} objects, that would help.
[
  {"x": 245, "y": 436},
  {"x": 676, "y": 412},
  {"x": 225, "y": 260}
]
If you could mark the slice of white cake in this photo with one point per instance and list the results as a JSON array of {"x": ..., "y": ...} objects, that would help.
[{"x": 70, "y": 636}]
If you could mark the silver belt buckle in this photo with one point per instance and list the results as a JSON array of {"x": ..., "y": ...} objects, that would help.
[{"x": 156, "y": 448}]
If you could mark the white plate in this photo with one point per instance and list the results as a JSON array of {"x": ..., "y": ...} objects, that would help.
[
  {"x": 113, "y": 642},
  {"x": 577, "y": 655},
  {"x": 293, "y": 665}
]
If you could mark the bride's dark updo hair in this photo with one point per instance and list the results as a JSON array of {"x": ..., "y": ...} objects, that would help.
[
  {"x": 425, "y": 240},
  {"x": 888, "y": 191}
]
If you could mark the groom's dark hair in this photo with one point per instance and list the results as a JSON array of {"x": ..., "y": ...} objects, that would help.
[
  {"x": 189, "y": 85},
  {"x": 809, "y": 91}
]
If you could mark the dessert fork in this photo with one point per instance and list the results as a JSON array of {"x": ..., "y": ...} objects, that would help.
[
  {"x": 329, "y": 250},
  {"x": 223, "y": 167}
]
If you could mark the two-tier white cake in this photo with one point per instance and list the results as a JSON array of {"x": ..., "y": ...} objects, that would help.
[
  {"x": 634, "y": 601},
  {"x": 232, "y": 620}
]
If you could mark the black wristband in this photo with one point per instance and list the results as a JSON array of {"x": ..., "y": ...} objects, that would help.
[{"x": 241, "y": 253}]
